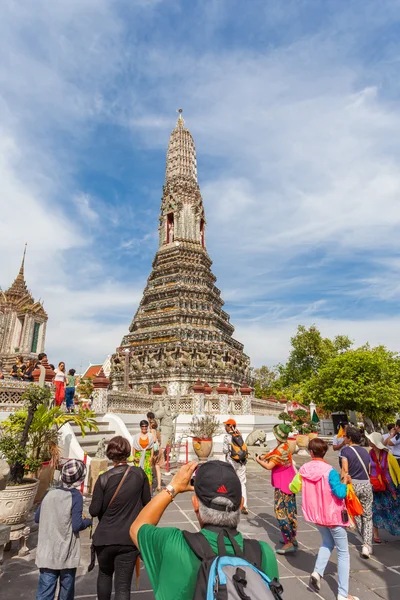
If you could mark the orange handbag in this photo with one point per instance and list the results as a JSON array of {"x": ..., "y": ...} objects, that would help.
[{"x": 353, "y": 504}]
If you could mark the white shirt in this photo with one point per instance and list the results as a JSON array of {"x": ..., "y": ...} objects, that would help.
[
  {"x": 395, "y": 449},
  {"x": 60, "y": 376},
  {"x": 336, "y": 441}
]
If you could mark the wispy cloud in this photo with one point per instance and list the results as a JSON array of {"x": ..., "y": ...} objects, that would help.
[{"x": 295, "y": 117}]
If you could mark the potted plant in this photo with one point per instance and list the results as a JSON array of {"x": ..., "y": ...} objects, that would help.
[
  {"x": 202, "y": 430},
  {"x": 43, "y": 452},
  {"x": 301, "y": 422},
  {"x": 313, "y": 433},
  {"x": 17, "y": 498},
  {"x": 288, "y": 420},
  {"x": 85, "y": 391}
]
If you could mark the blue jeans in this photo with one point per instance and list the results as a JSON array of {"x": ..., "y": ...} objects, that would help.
[
  {"x": 48, "y": 583},
  {"x": 331, "y": 537},
  {"x": 69, "y": 396}
]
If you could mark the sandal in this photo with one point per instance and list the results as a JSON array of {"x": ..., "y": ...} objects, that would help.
[{"x": 377, "y": 540}]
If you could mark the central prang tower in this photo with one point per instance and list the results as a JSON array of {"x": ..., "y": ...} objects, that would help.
[{"x": 180, "y": 334}]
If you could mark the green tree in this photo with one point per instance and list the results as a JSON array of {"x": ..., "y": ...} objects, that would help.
[
  {"x": 310, "y": 351},
  {"x": 265, "y": 380},
  {"x": 366, "y": 380}
]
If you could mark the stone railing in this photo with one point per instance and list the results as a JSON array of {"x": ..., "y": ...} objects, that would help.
[
  {"x": 132, "y": 402},
  {"x": 11, "y": 391},
  {"x": 265, "y": 407},
  {"x": 10, "y": 394}
]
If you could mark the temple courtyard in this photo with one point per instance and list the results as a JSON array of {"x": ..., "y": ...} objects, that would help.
[{"x": 371, "y": 579}]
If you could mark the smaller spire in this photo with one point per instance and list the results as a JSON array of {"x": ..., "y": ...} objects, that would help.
[
  {"x": 19, "y": 287},
  {"x": 181, "y": 121},
  {"x": 21, "y": 271}
]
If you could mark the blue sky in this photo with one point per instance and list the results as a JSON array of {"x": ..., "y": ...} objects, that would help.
[{"x": 294, "y": 108}]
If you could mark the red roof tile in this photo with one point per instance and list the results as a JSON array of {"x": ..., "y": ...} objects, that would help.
[{"x": 92, "y": 371}]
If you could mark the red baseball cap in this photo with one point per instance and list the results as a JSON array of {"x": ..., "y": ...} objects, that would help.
[{"x": 230, "y": 422}]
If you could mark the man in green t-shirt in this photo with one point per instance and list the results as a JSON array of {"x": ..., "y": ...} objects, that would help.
[{"x": 171, "y": 565}]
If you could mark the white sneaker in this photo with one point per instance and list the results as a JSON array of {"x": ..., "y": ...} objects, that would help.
[
  {"x": 365, "y": 551},
  {"x": 348, "y": 597},
  {"x": 315, "y": 581}
]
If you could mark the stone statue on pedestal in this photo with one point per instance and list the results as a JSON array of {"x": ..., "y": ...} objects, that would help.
[
  {"x": 165, "y": 417},
  {"x": 101, "y": 449}
]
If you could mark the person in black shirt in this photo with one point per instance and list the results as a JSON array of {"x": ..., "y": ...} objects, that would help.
[
  {"x": 355, "y": 462},
  {"x": 28, "y": 373},
  {"x": 115, "y": 550},
  {"x": 17, "y": 370}
]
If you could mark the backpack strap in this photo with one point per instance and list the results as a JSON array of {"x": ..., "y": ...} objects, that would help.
[
  {"x": 221, "y": 544},
  {"x": 198, "y": 543},
  {"x": 253, "y": 553}
]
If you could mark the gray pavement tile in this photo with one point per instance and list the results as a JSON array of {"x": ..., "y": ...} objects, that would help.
[
  {"x": 373, "y": 578},
  {"x": 388, "y": 593},
  {"x": 389, "y": 554},
  {"x": 301, "y": 563}
]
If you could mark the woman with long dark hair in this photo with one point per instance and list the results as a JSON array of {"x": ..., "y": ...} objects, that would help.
[
  {"x": 118, "y": 497},
  {"x": 28, "y": 372},
  {"x": 60, "y": 380}
]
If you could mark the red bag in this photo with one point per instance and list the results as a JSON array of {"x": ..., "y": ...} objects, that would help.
[
  {"x": 379, "y": 482},
  {"x": 353, "y": 504}
]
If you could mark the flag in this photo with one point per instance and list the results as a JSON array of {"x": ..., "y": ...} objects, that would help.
[{"x": 315, "y": 417}]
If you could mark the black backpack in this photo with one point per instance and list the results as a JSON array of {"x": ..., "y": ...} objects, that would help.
[{"x": 231, "y": 577}]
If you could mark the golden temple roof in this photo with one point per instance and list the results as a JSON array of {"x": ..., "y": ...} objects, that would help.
[{"x": 19, "y": 297}]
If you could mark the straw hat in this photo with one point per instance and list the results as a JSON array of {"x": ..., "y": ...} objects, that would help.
[{"x": 376, "y": 439}]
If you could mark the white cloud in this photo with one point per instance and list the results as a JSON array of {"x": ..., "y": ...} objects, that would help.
[
  {"x": 268, "y": 343},
  {"x": 83, "y": 203}
]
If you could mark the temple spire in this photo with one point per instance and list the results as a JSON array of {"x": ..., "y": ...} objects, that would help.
[
  {"x": 181, "y": 154},
  {"x": 22, "y": 268},
  {"x": 19, "y": 288}
]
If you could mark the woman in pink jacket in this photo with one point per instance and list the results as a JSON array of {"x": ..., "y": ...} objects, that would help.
[{"x": 324, "y": 505}]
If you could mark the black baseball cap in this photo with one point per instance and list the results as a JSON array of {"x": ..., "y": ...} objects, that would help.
[{"x": 218, "y": 479}]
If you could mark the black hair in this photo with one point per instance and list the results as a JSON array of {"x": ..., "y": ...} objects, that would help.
[
  {"x": 144, "y": 422},
  {"x": 41, "y": 355},
  {"x": 71, "y": 372},
  {"x": 390, "y": 426},
  {"x": 51, "y": 366},
  {"x": 353, "y": 434}
]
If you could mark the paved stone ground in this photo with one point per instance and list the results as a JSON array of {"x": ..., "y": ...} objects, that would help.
[{"x": 371, "y": 579}]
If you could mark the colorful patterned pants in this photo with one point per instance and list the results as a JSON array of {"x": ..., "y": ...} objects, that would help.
[
  {"x": 286, "y": 513},
  {"x": 364, "y": 522}
]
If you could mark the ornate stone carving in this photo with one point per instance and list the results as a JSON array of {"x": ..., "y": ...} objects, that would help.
[
  {"x": 101, "y": 448},
  {"x": 165, "y": 417},
  {"x": 16, "y": 501}
]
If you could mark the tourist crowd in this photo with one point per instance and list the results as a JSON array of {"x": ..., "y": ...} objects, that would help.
[
  {"x": 65, "y": 383},
  {"x": 362, "y": 494}
]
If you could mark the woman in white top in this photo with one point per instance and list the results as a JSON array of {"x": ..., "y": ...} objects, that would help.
[{"x": 60, "y": 381}]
